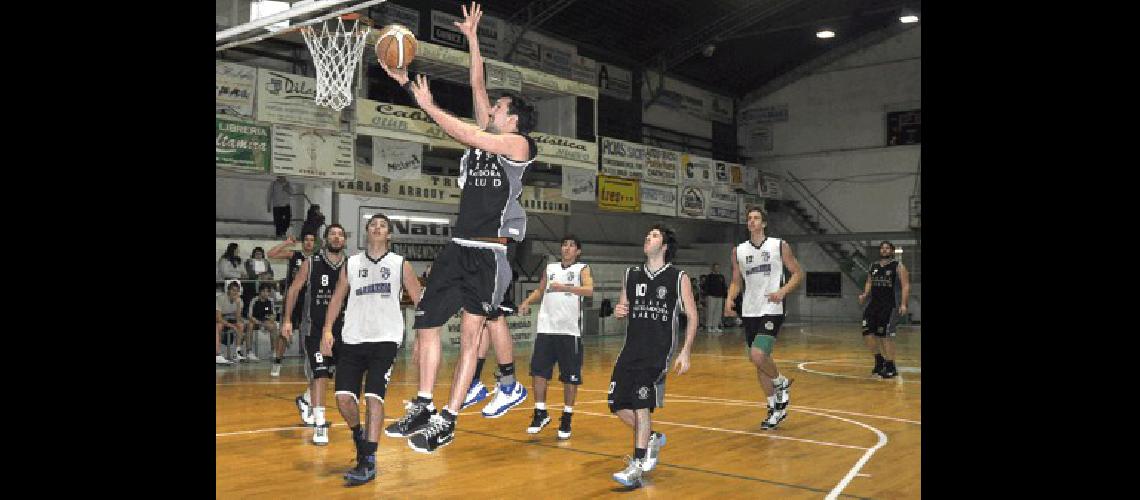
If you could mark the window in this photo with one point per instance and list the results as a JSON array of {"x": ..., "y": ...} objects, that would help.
[
  {"x": 904, "y": 127},
  {"x": 823, "y": 284}
]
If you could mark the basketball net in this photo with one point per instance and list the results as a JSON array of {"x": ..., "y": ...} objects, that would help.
[{"x": 336, "y": 53}]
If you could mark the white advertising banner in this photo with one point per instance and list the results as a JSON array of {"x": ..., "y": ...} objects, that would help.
[
  {"x": 394, "y": 159},
  {"x": 584, "y": 69},
  {"x": 234, "y": 86},
  {"x": 722, "y": 174},
  {"x": 768, "y": 186},
  {"x": 623, "y": 158},
  {"x": 691, "y": 202},
  {"x": 566, "y": 151},
  {"x": 662, "y": 165},
  {"x": 698, "y": 170},
  {"x": 579, "y": 184},
  {"x": 289, "y": 99},
  {"x": 658, "y": 199},
  {"x": 722, "y": 206},
  {"x": 312, "y": 153},
  {"x": 444, "y": 32}
]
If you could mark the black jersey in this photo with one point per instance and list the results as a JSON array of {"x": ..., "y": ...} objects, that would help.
[
  {"x": 261, "y": 309},
  {"x": 654, "y": 306},
  {"x": 323, "y": 276},
  {"x": 886, "y": 286},
  {"x": 489, "y": 204}
]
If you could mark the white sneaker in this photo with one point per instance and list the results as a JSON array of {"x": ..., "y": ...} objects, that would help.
[
  {"x": 221, "y": 360},
  {"x": 276, "y": 371},
  {"x": 239, "y": 357},
  {"x": 305, "y": 409},
  {"x": 653, "y": 452},
  {"x": 631, "y": 475},
  {"x": 321, "y": 435},
  {"x": 505, "y": 400},
  {"x": 253, "y": 357}
]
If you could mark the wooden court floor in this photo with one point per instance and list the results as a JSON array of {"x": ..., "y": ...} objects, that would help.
[{"x": 847, "y": 435}]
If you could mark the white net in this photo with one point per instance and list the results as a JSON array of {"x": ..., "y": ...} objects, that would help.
[{"x": 336, "y": 50}]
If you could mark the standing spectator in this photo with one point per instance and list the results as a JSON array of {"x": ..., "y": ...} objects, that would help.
[
  {"x": 715, "y": 291},
  {"x": 279, "y": 201},
  {"x": 229, "y": 264},
  {"x": 314, "y": 219}
]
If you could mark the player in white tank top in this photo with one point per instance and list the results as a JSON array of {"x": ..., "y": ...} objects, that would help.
[
  {"x": 759, "y": 263},
  {"x": 559, "y": 332},
  {"x": 373, "y": 282}
]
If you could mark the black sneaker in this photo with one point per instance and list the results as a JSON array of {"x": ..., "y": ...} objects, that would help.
[
  {"x": 540, "y": 421},
  {"x": 364, "y": 471},
  {"x": 564, "y": 427},
  {"x": 416, "y": 417},
  {"x": 889, "y": 370},
  {"x": 879, "y": 362},
  {"x": 438, "y": 433}
]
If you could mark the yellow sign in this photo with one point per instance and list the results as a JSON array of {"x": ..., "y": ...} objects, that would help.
[{"x": 616, "y": 194}]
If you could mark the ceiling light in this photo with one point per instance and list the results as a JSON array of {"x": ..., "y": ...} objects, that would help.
[
  {"x": 825, "y": 34},
  {"x": 909, "y": 19}
]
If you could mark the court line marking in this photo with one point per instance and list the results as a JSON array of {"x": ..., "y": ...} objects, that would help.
[
  {"x": 898, "y": 380},
  {"x": 862, "y": 460}
]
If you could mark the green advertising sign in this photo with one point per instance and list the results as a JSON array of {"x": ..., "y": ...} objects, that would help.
[{"x": 242, "y": 144}]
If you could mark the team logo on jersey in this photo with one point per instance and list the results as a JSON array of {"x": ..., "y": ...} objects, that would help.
[
  {"x": 764, "y": 255},
  {"x": 748, "y": 259},
  {"x": 385, "y": 273},
  {"x": 363, "y": 273},
  {"x": 874, "y": 271},
  {"x": 643, "y": 392},
  {"x": 570, "y": 275},
  {"x": 661, "y": 291},
  {"x": 888, "y": 272},
  {"x": 551, "y": 277}
]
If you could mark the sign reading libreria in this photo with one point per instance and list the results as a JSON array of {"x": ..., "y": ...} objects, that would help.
[{"x": 242, "y": 144}]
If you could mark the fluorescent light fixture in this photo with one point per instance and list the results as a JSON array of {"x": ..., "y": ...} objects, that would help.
[
  {"x": 266, "y": 8},
  {"x": 909, "y": 19},
  {"x": 825, "y": 34}
]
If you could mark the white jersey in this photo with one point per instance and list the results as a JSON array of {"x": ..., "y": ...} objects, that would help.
[
  {"x": 374, "y": 290},
  {"x": 763, "y": 270},
  {"x": 561, "y": 312}
]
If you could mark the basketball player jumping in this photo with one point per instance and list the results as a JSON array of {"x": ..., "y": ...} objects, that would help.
[
  {"x": 373, "y": 330},
  {"x": 888, "y": 285},
  {"x": 559, "y": 332},
  {"x": 761, "y": 261},
  {"x": 318, "y": 276},
  {"x": 472, "y": 270},
  {"x": 653, "y": 295}
]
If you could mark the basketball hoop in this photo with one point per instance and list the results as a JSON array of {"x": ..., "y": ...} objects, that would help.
[{"x": 336, "y": 51}]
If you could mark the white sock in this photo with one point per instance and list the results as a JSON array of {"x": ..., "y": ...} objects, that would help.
[
  {"x": 780, "y": 380},
  {"x": 308, "y": 400},
  {"x": 540, "y": 406},
  {"x": 772, "y": 401},
  {"x": 319, "y": 415},
  {"x": 568, "y": 409},
  {"x": 425, "y": 395}
]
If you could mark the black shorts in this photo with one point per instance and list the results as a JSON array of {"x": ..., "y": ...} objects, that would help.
[
  {"x": 370, "y": 362},
  {"x": 320, "y": 366},
  {"x": 565, "y": 349},
  {"x": 474, "y": 278},
  {"x": 636, "y": 388},
  {"x": 766, "y": 325},
  {"x": 880, "y": 322}
]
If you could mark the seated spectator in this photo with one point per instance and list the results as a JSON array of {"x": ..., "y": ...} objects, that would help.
[
  {"x": 262, "y": 314},
  {"x": 257, "y": 267},
  {"x": 229, "y": 264},
  {"x": 226, "y": 310}
]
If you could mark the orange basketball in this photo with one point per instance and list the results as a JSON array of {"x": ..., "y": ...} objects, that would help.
[{"x": 396, "y": 46}]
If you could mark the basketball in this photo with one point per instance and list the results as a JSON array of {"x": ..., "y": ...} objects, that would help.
[{"x": 396, "y": 46}]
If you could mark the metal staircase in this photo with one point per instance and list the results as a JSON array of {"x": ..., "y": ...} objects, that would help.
[{"x": 813, "y": 217}]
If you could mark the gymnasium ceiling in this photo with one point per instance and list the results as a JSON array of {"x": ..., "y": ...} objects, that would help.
[{"x": 756, "y": 41}]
